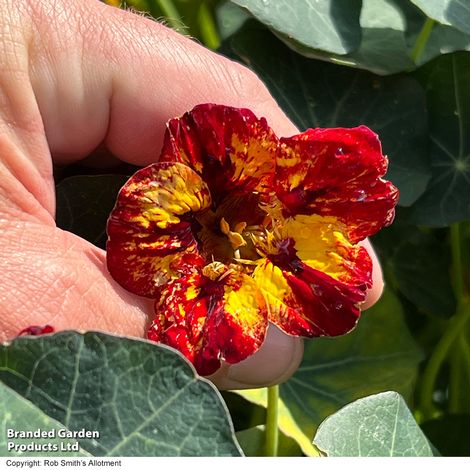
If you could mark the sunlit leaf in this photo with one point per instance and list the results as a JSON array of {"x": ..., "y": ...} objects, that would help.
[
  {"x": 375, "y": 426},
  {"x": 144, "y": 399},
  {"x": 383, "y": 47},
  {"x": 19, "y": 414},
  {"x": 328, "y": 25},
  {"x": 442, "y": 39},
  {"x": 230, "y": 18},
  {"x": 449, "y": 12}
]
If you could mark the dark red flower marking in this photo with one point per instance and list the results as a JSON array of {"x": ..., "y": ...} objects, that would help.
[{"x": 36, "y": 330}]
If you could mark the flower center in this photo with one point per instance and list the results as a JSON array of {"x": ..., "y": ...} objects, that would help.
[
  {"x": 227, "y": 232},
  {"x": 235, "y": 237}
]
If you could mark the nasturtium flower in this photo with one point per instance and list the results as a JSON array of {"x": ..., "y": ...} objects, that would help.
[{"x": 234, "y": 228}]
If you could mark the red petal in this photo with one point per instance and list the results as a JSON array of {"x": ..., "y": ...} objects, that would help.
[
  {"x": 307, "y": 302},
  {"x": 36, "y": 330},
  {"x": 150, "y": 239},
  {"x": 230, "y": 148},
  {"x": 210, "y": 320},
  {"x": 313, "y": 279},
  {"x": 337, "y": 172}
]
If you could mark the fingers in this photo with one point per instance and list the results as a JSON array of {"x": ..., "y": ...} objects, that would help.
[
  {"x": 48, "y": 276},
  {"x": 374, "y": 293},
  {"x": 277, "y": 359},
  {"x": 75, "y": 75},
  {"x": 103, "y": 74}
]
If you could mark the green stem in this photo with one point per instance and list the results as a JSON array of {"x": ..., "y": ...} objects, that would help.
[
  {"x": 457, "y": 267},
  {"x": 422, "y": 39},
  {"x": 459, "y": 375},
  {"x": 209, "y": 33},
  {"x": 455, "y": 378},
  {"x": 465, "y": 352},
  {"x": 272, "y": 429},
  {"x": 454, "y": 329},
  {"x": 171, "y": 13}
]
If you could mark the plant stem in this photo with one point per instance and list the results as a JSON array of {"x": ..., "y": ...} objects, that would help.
[
  {"x": 422, "y": 39},
  {"x": 465, "y": 353},
  {"x": 455, "y": 379},
  {"x": 209, "y": 32},
  {"x": 454, "y": 329},
  {"x": 457, "y": 268},
  {"x": 272, "y": 430},
  {"x": 456, "y": 324},
  {"x": 171, "y": 13}
]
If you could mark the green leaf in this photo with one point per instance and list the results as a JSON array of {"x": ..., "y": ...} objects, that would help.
[
  {"x": 252, "y": 441},
  {"x": 376, "y": 426},
  {"x": 327, "y": 25},
  {"x": 449, "y": 12},
  {"x": 383, "y": 48},
  {"x": 19, "y": 414},
  {"x": 421, "y": 267},
  {"x": 442, "y": 39},
  {"x": 380, "y": 354},
  {"x": 446, "y": 199},
  {"x": 84, "y": 204},
  {"x": 318, "y": 94},
  {"x": 143, "y": 398},
  {"x": 449, "y": 434},
  {"x": 230, "y": 18}
]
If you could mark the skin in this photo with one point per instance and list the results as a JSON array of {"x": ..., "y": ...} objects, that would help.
[{"x": 80, "y": 76}]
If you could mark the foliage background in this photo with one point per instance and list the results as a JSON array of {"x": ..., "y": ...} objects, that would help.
[{"x": 401, "y": 67}]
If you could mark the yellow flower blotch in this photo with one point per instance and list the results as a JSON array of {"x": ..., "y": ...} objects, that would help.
[
  {"x": 244, "y": 303},
  {"x": 320, "y": 243}
]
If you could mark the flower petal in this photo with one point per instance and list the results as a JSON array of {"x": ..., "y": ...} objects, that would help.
[
  {"x": 149, "y": 230},
  {"x": 315, "y": 282},
  {"x": 210, "y": 320},
  {"x": 230, "y": 148},
  {"x": 310, "y": 304},
  {"x": 337, "y": 172},
  {"x": 320, "y": 243}
]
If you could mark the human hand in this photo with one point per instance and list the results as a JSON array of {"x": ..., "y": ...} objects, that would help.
[{"x": 74, "y": 76}]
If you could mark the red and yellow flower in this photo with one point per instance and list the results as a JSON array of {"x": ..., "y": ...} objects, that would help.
[{"x": 235, "y": 228}]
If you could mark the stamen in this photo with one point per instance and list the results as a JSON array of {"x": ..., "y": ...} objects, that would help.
[
  {"x": 240, "y": 227},
  {"x": 235, "y": 238},
  {"x": 230, "y": 271}
]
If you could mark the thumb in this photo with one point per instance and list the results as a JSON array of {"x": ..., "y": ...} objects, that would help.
[
  {"x": 72, "y": 93},
  {"x": 53, "y": 277},
  {"x": 87, "y": 74}
]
